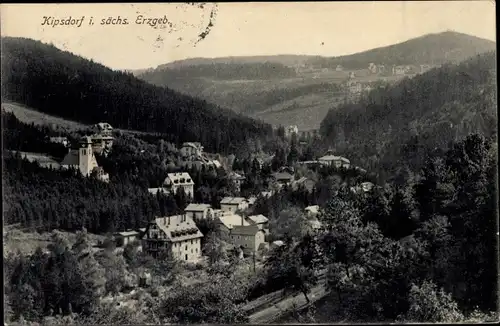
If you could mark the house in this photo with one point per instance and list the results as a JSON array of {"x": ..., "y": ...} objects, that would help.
[
  {"x": 126, "y": 237},
  {"x": 191, "y": 149},
  {"x": 237, "y": 179},
  {"x": 372, "y": 68},
  {"x": 381, "y": 69},
  {"x": 290, "y": 130},
  {"x": 233, "y": 204},
  {"x": 83, "y": 159},
  {"x": 260, "y": 220},
  {"x": 101, "y": 144},
  {"x": 266, "y": 194},
  {"x": 339, "y": 68},
  {"x": 283, "y": 178},
  {"x": 227, "y": 220},
  {"x": 399, "y": 70},
  {"x": 315, "y": 224},
  {"x": 251, "y": 201},
  {"x": 175, "y": 181},
  {"x": 304, "y": 182},
  {"x": 177, "y": 234},
  {"x": 352, "y": 75},
  {"x": 103, "y": 128},
  {"x": 312, "y": 210},
  {"x": 249, "y": 238},
  {"x": 154, "y": 191},
  {"x": 424, "y": 68},
  {"x": 199, "y": 212},
  {"x": 60, "y": 140},
  {"x": 354, "y": 87},
  {"x": 336, "y": 161},
  {"x": 367, "y": 186}
]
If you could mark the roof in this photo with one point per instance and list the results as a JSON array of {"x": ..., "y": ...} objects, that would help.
[
  {"x": 245, "y": 230},
  {"x": 278, "y": 243},
  {"x": 230, "y": 220},
  {"x": 197, "y": 207},
  {"x": 251, "y": 200},
  {"x": 258, "y": 219},
  {"x": 177, "y": 230},
  {"x": 236, "y": 176},
  {"x": 312, "y": 209},
  {"x": 266, "y": 194},
  {"x": 104, "y": 125},
  {"x": 72, "y": 158},
  {"x": 283, "y": 176},
  {"x": 191, "y": 144},
  {"x": 232, "y": 200},
  {"x": 334, "y": 158},
  {"x": 127, "y": 233},
  {"x": 367, "y": 186},
  {"x": 154, "y": 191},
  {"x": 179, "y": 178}
]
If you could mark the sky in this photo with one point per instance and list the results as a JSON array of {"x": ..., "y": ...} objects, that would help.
[{"x": 241, "y": 29}]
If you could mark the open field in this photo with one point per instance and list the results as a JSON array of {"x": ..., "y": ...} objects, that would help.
[
  {"x": 30, "y": 115},
  {"x": 26, "y": 241}
]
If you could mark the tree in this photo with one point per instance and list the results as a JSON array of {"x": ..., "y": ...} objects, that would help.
[
  {"x": 295, "y": 265},
  {"x": 215, "y": 302},
  {"x": 430, "y": 305}
]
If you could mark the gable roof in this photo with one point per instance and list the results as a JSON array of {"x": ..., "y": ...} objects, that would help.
[
  {"x": 181, "y": 178},
  {"x": 245, "y": 230},
  {"x": 127, "y": 233},
  {"x": 232, "y": 200},
  {"x": 258, "y": 219},
  {"x": 72, "y": 158},
  {"x": 334, "y": 158},
  {"x": 283, "y": 176},
  {"x": 231, "y": 220},
  {"x": 197, "y": 207},
  {"x": 312, "y": 209},
  {"x": 176, "y": 229}
]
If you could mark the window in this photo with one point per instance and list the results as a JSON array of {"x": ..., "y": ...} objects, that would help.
[
  {"x": 186, "y": 257},
  {"x": 84, "y": 152},
  {"x": 186, "y": 247},
  {"x": 196, "y": 249},
  {"x": 191, "y": 250},
  {"x": 191, "y": 241}
]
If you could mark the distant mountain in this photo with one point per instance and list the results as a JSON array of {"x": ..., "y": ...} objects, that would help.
[
  {"x": 434, "y": 49},
  {"x": 60, "y": 83},
  {"x": 267, "y": 88},
  {"x": 398, "y": 125}
]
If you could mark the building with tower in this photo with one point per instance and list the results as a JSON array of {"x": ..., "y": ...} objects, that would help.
[{"x": 83, "y": 159}]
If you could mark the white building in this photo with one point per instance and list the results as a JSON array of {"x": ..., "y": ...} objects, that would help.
[
  {"x": 290, "y": 130},
  {"x": 103, "y": 128},
  {"x": 336, "y": 161},
  {"x": 233, "y": 204},
  {"x": 237, "y": 179},
  {"x": 199, "y": 211},
  {"x": 191, "y": 150},
  {"x": 175, "y": 181},
  {"x": 178, "y": 234}
]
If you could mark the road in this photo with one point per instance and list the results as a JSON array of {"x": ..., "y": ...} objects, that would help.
[{"x": 273, "y": 312}]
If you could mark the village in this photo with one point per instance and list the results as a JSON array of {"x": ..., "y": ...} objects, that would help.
[{"x": 179, "y": 234}]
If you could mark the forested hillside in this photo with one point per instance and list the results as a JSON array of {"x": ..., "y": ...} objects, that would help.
[
  {"x": 63, "y": 84},
  {"x": 228, "y": 71},
  {"x": 398, "y": 125},
  {"x": 434, "y": 49}
]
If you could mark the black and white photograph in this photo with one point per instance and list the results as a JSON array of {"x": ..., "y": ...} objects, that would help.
[{"x": 249, "y": 163}]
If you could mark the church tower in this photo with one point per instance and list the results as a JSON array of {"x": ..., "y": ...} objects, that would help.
[{"x": 86, "y": 158}]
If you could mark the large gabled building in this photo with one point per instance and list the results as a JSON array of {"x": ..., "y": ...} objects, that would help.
[{"x": 177, "y": 234}]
